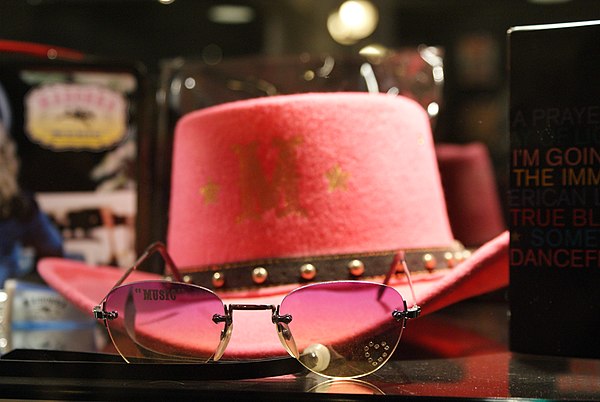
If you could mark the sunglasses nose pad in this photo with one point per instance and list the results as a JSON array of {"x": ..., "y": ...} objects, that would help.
[
  {"x": 316, "y": 357},
  {"x": 286, "y": 338},
  {"x": 225, "y": 337}
]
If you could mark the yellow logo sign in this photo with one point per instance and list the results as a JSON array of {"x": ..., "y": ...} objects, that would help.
[{"x": 75, "y": 117}]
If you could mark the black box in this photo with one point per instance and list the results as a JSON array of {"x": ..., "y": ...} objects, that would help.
[{"x": 554, "y": 197}]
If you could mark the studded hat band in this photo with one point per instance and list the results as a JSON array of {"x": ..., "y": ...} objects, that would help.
[{"x": 284, "y": 271}]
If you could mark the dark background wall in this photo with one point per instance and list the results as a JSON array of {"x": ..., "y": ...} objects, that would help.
[{"x": 147, "y": 31}]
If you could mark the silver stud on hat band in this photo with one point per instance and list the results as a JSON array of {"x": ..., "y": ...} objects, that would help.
[
  {"x": 218, "y": 279},
  {"x": 356, "y": 268},
  {"x": 259, "y": 275},
  {"x": 308, "y": 272},
  {"x": 429, "y": 262}
]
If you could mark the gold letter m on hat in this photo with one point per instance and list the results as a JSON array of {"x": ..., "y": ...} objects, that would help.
[{"x": 269, "y": 178}]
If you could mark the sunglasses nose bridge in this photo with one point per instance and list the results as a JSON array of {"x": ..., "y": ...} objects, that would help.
[
  {"x": 227, "y": 318},
  {"x": 251, "y": 307}
]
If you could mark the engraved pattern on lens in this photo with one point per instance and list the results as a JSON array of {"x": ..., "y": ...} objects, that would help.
[{"x": 376, "y": 353}]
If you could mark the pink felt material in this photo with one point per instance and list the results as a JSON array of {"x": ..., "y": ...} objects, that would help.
[
  {"x": 85, "y": 286},
  {"x": 380, "y": 146},
  {"x": 471, "y": 192}
]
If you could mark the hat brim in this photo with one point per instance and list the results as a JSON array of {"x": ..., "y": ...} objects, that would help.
[{"x": 485, "y": 271}]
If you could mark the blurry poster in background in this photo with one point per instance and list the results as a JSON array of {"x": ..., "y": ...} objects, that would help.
[
  {"x": 70, "y": 130},
  {"x": 78, "y": 127},
  {"x": 76, "y": 136}
]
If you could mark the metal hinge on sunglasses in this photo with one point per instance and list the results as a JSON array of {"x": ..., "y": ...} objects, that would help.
[
  {"x": 100, "y": 314},
  {"x": 412, "y": 312}
]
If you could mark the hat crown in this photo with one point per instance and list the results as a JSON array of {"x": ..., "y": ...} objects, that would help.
[{"x": 308, "y": 174}]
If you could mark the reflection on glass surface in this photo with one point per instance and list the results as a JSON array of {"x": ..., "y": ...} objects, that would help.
[
  {"x": 346, "y": 387},
  {"x": 417, "y": 73}
]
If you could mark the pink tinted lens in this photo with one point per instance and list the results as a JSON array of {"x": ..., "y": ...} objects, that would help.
[
  {"x": 344, "y": 329},
  {"x": 164, "y": 320}
]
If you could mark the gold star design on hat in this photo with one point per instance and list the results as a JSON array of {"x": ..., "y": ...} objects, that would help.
[
  {"x": 337, "y": 178},
  {"x": 209, "y": 192}
]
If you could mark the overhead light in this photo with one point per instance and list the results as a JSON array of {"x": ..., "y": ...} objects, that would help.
[
  {"x": 231, "y": 14},
  {"x": 352, "y": 21},
  {"x": 166, "y": 1},
  {"x": 433, "y": 109}
]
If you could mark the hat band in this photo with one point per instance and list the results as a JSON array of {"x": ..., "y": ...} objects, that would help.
[{"x": 285, "y": 271}]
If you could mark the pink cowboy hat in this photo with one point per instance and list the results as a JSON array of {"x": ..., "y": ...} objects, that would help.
[{"x": 341, "y": 181}]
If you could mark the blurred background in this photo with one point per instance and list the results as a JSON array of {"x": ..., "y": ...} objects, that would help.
[
  {"x": 471, "y": 32},
  {"x": 468, "y": 37}
]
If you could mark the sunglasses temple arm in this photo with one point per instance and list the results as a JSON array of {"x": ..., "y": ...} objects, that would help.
[
  {"x": 162, "y": 249},
  {"x": 400, "y": 260},
  {"x": 153, "y": 248}
]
